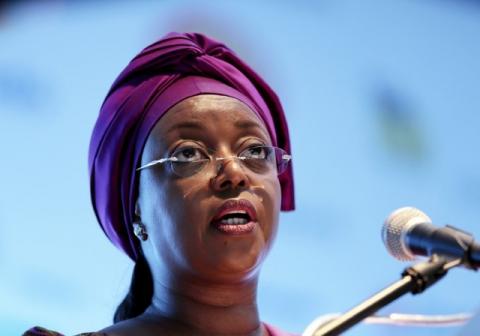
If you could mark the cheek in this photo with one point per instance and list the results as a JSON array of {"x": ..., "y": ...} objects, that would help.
[
  {"x": 158, "y": 211},
  {"x": 276, "y": 205},
  {"x": 173, "y": 213},
  {"x": 164, "y": 199},
  {"x": 269, "y": 194}
]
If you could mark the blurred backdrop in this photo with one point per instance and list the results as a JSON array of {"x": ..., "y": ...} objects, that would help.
[{"x": 382, "y": 98}]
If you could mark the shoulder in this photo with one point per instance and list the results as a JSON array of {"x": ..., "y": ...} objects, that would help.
[
  {"x": 274, "y": 331},
  {"x": 136, "y": 326},
  {"x": 119, "y": 329},
  {"x": 39, "y": 331},
  {"x": 123, "y": 328}
]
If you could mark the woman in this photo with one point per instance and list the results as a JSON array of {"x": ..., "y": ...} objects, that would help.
[{"x": 189, "y": 166}]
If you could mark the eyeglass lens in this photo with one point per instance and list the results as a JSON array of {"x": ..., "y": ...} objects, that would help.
[{"x": 260, "y": 160}]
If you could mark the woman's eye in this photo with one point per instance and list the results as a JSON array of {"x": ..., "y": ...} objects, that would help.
[
  {"x": 189, "y": 154},
  {"x": 257, "y": 152}
]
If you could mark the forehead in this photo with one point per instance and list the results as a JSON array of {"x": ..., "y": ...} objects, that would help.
[
  {"x": 210, "y": 106},
  {"x": 208, "y": 110}
]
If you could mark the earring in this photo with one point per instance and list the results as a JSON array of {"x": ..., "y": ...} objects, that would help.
[{"x": 140, "y": 231}]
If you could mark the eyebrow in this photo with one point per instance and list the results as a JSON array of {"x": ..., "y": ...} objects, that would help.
[
  {"x": 247, "y": 124},
  {"x": 186, "y": 124},
  {"x": 195, "y": 125}
]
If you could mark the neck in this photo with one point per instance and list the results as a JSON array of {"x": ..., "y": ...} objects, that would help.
[{"x": 206, "y": 308}]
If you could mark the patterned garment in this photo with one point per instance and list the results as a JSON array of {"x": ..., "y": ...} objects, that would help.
[{"x": 39, "y": 331}]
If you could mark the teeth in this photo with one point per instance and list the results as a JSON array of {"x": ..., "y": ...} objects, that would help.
[{"x": 234, "y": 221}]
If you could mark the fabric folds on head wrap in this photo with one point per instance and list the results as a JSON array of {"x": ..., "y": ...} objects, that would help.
[{"x": 172, "y": 69}]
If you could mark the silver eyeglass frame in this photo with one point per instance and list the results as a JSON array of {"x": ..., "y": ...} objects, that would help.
[{"x": 285, "y": 156}]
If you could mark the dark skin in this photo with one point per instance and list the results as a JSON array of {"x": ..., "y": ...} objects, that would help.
[{"x": 205, "y": 281}]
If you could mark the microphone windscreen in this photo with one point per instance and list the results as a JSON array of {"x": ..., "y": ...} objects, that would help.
[{"x": 396, "y": 227}]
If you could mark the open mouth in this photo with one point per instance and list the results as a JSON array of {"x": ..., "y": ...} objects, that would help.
[{"x": 235, "y": 217}]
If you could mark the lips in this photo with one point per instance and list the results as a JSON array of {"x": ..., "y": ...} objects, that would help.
[{"x": 235, "y": 217}]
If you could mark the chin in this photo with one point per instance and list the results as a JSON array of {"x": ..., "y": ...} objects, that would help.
[{"x": 240, "y": 261}]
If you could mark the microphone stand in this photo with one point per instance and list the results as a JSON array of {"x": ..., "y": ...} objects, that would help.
[{"x": 415, "y": 279}]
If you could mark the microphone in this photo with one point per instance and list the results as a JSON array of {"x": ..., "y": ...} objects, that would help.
[{"x": 408, "y": 232}]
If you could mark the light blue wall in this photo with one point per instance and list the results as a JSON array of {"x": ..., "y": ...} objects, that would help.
[{"x": 382, "y": 99}]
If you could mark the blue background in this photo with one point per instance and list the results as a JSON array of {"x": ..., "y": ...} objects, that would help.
[{"x": 382, "y": 99}]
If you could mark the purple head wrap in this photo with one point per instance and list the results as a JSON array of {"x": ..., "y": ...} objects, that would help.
[{"x": 172, "y": 69}]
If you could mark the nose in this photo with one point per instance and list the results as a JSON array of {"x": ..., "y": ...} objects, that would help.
[{"x": 230, "y": 175}]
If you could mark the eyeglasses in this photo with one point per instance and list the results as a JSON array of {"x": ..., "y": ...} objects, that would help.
[{"x": 187, "y": 161}]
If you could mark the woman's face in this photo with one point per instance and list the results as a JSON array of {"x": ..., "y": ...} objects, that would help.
[{"x": 220, "y": 222}]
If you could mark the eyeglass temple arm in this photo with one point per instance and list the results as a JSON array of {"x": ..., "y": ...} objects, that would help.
[{"x": 154, "y": 162}]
